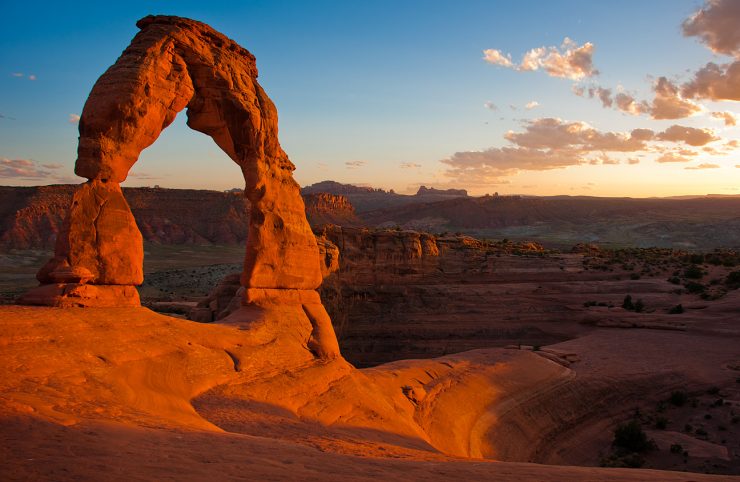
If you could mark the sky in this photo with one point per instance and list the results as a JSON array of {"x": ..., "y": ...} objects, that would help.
[{"x": 628, "y": 98}]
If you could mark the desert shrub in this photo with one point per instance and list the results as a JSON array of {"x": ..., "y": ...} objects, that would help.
[
  {"x": 688, "y": 428},
  {"x": 674, "y": 280},
  {"x": 676, "y": 310},
  {"x": 735, "y": 419},
  {"x": 632, "y": 461},
  {"x": 661, "y": 423},
  {"x": 678, "y": 398},
  {"x": 676, "y": 449},
  {"x": 701, "y": 432},
  {"x": 713, "y": 390},
  {"x": 693, "y": 272},
  {"x": 733, "y": 279},
  {"x": 639, "y": 306},
  {"x": 694, "y": 287},
  {"x": 627, "y": 303},
  {"x": 630, "y": 436},
  {"x": 634, "y": 276}
]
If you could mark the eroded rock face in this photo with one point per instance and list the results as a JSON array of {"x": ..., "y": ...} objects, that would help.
[
  {"x": 171, "y": 64},
  {"x": 99, "y": 242}
]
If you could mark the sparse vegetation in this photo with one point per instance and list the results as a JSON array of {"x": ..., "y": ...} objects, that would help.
[
  {"x": 679, "y": 398},
  {"x": 631, "y": 437}
]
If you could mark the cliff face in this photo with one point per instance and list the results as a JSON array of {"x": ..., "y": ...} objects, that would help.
[
  {"x": 31, "y": 217},
  {"x": 325, "y": 208}
]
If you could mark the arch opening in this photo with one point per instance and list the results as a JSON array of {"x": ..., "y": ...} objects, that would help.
[{"x": 175, "y": 64}]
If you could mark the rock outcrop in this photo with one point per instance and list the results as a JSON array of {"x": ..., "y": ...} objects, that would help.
[
  {"x": 325, "y": 208},
  {"x": 172, "y": 64}
]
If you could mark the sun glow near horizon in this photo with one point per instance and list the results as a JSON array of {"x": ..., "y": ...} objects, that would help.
[{"x": 527, "y": 99}]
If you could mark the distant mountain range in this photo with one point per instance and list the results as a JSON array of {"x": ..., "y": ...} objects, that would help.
[{"x": 30, "y": 217}]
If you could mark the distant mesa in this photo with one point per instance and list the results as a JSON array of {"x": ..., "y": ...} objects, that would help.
[
  {"x": 171, "y": 64},
  {"x": 427, "y": 191}
]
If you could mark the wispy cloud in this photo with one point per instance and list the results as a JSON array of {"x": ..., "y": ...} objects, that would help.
[
  {"x": 688, "y": 135},
  {"x": 728, "y": 118},
  {"x": 144, "y": 176},
  {"x": 22, "y": 169},
  {"x": 73, "y": 118},
  {"x": 569, "y": 61},
  {"x": 672, "y": 157},
  {"x": 354, "y": 164},
  {"x": 705, "y": 165},
  {"x": 531, "y": 105},
  {"x": 410, "y": 165},
  {"x": 21, "y": 75},
  {"x": 490, "y": 105}
]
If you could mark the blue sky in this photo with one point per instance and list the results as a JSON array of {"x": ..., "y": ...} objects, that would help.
[{"x": 380, "y": 92}]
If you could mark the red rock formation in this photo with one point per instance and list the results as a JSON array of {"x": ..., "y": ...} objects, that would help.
[
  {"x": 171, "y": 64},
  {"x": 325, "y": 208}
]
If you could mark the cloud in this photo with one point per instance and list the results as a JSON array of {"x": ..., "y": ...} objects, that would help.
[
  {"x": 531, "y": 105},
  {"x": 716, "y": 25},
  {"x": 143, "y": 176},
  {"x": 569, "y": 61},
  {"x": 490, "y": 105},
  {"x": 728, "y": 117},
  {"x": 410, "y": 165},
  {"x": 551, "y": 143},
  {"x": 354, "y": 164},
  {"x": 21, "y": 169},
  {"x": 626, "y": 103},
  {"x": 73, "y": 118},
  {"x": 551, "y": 133},
  {"x": 705, "y": 165},
  {"x": 487, "y": 166},
  {"x": 604, "y": 95},
  {"x": 21, "y": 75},
  {"x": 689, "y": 135},
  {"x": 493, "y": 56},
  {"x": 668, "y": 102},
  {"x": 52, "y": 166},
  {"x": 672, "y": 157},
  {"x": 715, "y": 82}
]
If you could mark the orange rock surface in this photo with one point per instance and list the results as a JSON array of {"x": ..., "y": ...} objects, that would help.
[{"x": 173, "y": 64}]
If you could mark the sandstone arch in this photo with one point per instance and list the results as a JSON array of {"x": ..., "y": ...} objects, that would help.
[{"x": 171, "y": 64}]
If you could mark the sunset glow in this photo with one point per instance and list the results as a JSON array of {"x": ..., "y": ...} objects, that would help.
[{"x": 581, "y": 98}]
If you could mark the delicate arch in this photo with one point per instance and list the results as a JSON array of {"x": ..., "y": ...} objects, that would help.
[{"x": 175, "y": 63}]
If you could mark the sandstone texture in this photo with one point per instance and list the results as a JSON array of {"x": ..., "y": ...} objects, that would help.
[
  {"x": 325, "y": 208},
  {"x": 172, "y": 64}
]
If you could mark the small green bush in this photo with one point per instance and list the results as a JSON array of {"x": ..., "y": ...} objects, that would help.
[
  {"x": 676, "y": 310},
  {"x": 630, "y": 436},
  {"x": 694, "y": 287},
  {"x": 676, "y": 449},
  {"x": 661, "y": 423},
  {"x": 678, "y": 398},
  {"x": 693, "y": 272}
]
